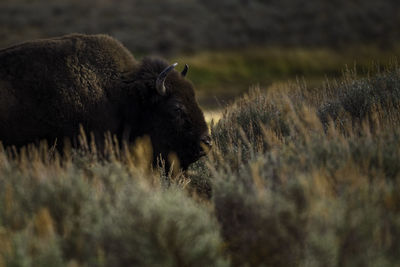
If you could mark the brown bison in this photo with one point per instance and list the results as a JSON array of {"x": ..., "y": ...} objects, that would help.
[{"x": 49, "y": 87}]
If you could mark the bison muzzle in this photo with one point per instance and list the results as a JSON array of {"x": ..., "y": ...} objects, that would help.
[{"x": 49, "y": 87}]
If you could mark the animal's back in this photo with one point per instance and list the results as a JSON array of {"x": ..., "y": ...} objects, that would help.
[{"x": 48, "y": 87}]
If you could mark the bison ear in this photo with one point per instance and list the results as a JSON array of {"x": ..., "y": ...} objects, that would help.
[
  {"x": 185, "y": 70},
  {"x": 160, "y": 86}
]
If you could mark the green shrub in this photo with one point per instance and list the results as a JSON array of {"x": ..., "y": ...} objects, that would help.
[
  {"x": 318, "y": 201},
  {"x": 361, "y": 98},
  {"x": 146, "y": 228},
  {"x": 85, "y": 211}
]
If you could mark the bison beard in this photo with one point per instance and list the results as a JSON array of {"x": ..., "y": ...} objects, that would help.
[{"x": 49, "y": 87}]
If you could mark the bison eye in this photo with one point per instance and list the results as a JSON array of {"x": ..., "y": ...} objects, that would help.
[{"x": 178, "y": 111}]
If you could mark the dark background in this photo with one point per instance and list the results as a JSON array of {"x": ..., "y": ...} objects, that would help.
[{"x": 177, "y": 26}]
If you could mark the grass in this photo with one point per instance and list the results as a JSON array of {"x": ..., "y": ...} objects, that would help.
[
  {"x": 297, "y": 177},
  {"x": 227, "y": 74}
]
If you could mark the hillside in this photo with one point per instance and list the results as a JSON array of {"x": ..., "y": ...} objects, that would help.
[{"x": 177, "y": 26}]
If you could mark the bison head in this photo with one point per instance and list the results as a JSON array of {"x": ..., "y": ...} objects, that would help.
[{"x": 169, "y": 112}]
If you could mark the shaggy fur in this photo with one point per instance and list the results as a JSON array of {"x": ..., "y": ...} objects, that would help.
[{"x": 49, "y": 87}]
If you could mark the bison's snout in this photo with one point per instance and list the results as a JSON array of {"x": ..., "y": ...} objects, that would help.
[{"x": 205, "y": 144}]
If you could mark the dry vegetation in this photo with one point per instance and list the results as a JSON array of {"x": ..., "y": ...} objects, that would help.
[{"x": 297, "y": 177}]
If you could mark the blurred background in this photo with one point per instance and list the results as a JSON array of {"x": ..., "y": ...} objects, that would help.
[{"x": 230, "y": 45}]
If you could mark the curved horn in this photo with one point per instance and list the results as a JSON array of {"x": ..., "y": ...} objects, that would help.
[
  {"x": 161, "y": 79},
  {"x": 185, "y": 70}
]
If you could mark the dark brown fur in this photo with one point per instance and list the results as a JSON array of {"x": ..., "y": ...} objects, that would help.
[{"x": 49, "y": 87}]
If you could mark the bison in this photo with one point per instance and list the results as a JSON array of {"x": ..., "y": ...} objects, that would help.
[{"x": 51, "y": 87}]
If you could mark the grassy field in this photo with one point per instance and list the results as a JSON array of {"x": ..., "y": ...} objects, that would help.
[
  {"x": 220, "y": 76},
  {"x": 297, "y": 177}
]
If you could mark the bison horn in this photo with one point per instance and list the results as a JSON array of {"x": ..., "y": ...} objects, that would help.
[
  {"x": 185, "y": 70},
  {"x": 161, "y": 79}
]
